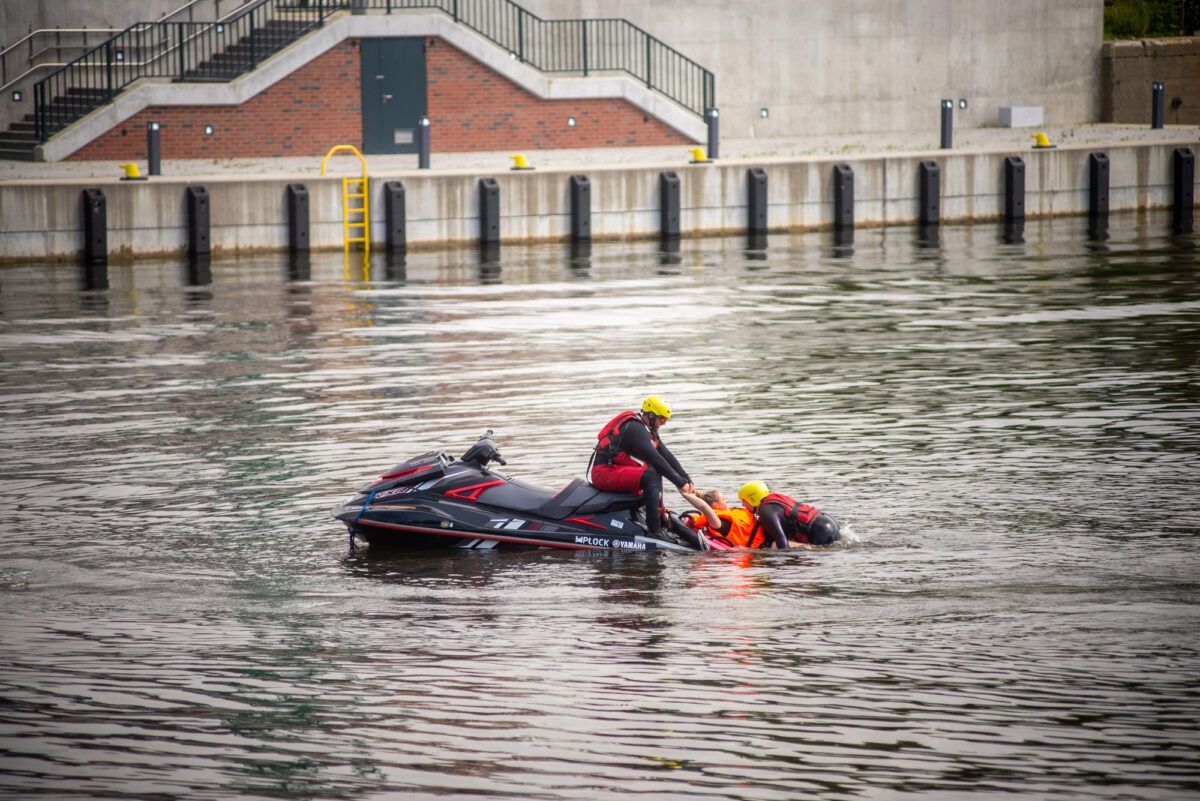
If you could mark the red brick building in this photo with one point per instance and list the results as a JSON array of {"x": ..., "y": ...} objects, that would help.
[{"x": 471, "y": 107}]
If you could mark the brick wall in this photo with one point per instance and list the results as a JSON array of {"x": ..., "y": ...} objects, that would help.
[
  {"x": 470, "y": 107},
  {"x": 1127, "y": 69},
  {"x": 305, "y": 114},
  {"x": 473, "y": 108}
]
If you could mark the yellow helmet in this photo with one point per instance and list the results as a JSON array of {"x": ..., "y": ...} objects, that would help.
[
  {"x": 657, "y": 406},
  {"x": 752, "y": 492}
]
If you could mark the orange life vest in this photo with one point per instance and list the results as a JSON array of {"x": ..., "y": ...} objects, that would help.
[{"x": 741, "y": 527}]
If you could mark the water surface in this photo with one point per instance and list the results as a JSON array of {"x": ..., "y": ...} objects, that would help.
[{"x": 1007, "y": 425}]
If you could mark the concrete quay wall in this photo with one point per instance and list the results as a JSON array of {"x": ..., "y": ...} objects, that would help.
[
  {"x": 42, "y": 219},
  {"x": 1129, "y": 69}
]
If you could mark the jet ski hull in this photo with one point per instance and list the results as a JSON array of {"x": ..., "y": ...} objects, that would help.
[
  {"x": 432, "y": 501},
  {"x": 408, "y": 537}
]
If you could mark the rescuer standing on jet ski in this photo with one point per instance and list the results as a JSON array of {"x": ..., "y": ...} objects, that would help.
[{"x": 630, "y": 457}]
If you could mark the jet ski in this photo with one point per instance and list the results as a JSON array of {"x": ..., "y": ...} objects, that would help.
[{"x": 436, "y": 501}]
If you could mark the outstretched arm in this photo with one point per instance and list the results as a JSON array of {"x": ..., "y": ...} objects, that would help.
[
  {"x": 710, "y": 516},
  {"x": 671, "y": 460},
  {"x": 636, "y": 440}
]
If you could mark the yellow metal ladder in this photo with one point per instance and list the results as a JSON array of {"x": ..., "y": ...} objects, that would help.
[{"x": 356, "y": 204}]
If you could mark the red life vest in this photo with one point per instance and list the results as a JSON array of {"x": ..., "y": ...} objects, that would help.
[
  {"x": 608, "y": 451},
  {"x": 799, "y": 515}
]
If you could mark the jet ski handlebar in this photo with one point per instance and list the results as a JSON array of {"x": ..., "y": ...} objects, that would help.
[{"x": 483, "y": 452}]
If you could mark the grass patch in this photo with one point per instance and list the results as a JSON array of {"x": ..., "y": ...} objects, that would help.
[{"x": 1140, "y": 19}]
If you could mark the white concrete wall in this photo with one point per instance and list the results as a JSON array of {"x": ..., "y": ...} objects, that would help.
[
  {"x": 846, "y": 66},
  {"x": 41, "y": 219},
  {"x": 818, "y": 66}
]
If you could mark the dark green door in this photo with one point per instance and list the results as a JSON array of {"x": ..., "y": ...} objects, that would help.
[{"x": 393, "y": 93}]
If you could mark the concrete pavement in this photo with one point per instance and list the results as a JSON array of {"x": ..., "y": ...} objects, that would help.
[{"x": 757, "y": 150}]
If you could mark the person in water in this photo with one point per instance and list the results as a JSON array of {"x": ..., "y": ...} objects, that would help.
[
  {"x": 630, "y": 457},
  {"x": 783, "y": 519},
  {"x": 765, "y": 519},
  {"x": 716, "y": 521}
]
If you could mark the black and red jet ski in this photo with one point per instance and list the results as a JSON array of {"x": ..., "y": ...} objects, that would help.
[{"x": 436, "y": 501}]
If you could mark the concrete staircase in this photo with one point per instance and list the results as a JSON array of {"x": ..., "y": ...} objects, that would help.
[
  {"x": 208, "y": 52},
  {"x": 18, "y": 143},
  {"x": 247, "y": 52}
]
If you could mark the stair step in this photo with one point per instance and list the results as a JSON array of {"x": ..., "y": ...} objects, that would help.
[
  {"x": 209, "y": 68},
  {"x": 9, "y": 154},
  {"x": 209, "y": 77},
  {"x": 224, "y": 62},
  {"x": 263, "y": 37},
  {"x": 259, "y": 47},
  {"x": 268, "y": 33},
  {"x": 234, "y": 60}
]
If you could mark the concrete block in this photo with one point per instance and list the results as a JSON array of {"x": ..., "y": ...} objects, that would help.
[{"x": 1021, "y": 116}]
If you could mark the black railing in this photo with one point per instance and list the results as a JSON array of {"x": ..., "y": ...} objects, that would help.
[
  {"x": 576, "y": 45},
  {"x": 181, "y": 51},
  {"x": 222, "y": 50}
]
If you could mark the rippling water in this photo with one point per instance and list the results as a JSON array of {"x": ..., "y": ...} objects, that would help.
[{"x": 1010, "y": 430}]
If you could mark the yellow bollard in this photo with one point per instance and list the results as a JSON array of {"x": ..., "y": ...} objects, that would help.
[
  {"x": 520, "y": 162},
  {"x": 699, "y": 156},
  {"x": 131, "y": 172},
  {"x": 1041, "y": 141}
]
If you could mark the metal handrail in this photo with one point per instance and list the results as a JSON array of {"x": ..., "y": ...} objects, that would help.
[
  {"x": 216, "y": 10},
  {"x": 55, "y": 64},
  {"x": 166, "y": 49},
  {"x": 43, "y": 32},
  {"x": 188, "y": 6},
  {"x": 35, "y": 68},
  {"x": 177, "y": 49},
  {"x": 58, "y": 32},
  {"x": 167, "y": 17}
]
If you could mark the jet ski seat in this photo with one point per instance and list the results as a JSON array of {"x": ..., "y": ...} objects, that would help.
[
  {"x": 517, "y": 496},
  {"x": 581, "y": 498}
]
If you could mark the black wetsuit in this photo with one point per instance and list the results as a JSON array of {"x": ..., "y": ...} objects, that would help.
[
  {"x": 634, "y": 439},
  {"x": 778, "y": 526}
]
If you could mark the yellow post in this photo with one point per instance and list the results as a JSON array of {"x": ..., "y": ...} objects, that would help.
[
  {"x": 1040, "y": 141},
  {"x": 354, "y": 189},
  {"x": 131, "y": 172}
]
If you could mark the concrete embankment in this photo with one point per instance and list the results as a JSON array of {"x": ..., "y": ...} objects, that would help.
[{"x": 42, "y": 218}]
